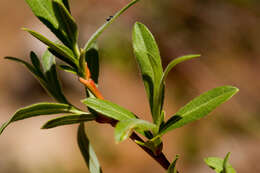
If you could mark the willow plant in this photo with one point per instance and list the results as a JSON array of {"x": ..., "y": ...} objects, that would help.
[{"x": 84, "y": 63}]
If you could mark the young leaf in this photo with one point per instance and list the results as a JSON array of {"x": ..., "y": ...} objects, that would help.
[
  {"x": 124, "y": 128},
  {"x": 65, "y": 53},
  {"x": 148, "y": 58},
  {"x": 108, "y": 109},
  {"x": 219, "y": 165},
  {"x": 40, "y": 109},
  {"x": 199, "y": 107},
  {"x": 87, "y": 151},
  {"x": 66, "y": 23},
  {"x": 172, "y": 167},
  {"x": 68, "y": 120},
  {"x": 92, "y": 59},
  {"x": 174, "y": 62},
  {"x": 225, "y": 164},
  {"x": 94, "y": 37},
  {"x": 43, "y": 9}
]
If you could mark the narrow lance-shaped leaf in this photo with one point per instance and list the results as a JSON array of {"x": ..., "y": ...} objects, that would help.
[
  {"x": 53, "y": 84},
  {"x": 66, "y": 3},
  {"x": 219, "y": 165},
  {"x": 43, "y": 9},
  {"x": 94, "y": 37},
  {"x": 40, "y": 109},
  {"x": 175, "y": 62},
  {"x": 66, "y": 54},
  {"x": 125, "y": 128},
  {"x": 172, "y": 167},
  {"x": 66, "y": 23},
  {"x": 87, "y": 151},
  {"x": 68, "y": 69},
  {"x": 29, "y": 67},
  {"x": 36, "y": 63},
  {"x": 108, "y": 109},
  {"x": 148, "y": 58},
  {"x": 199, "y": 107},
  {"x": 68, "y": 120}
]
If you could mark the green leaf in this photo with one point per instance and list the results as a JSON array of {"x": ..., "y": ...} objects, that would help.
[
  {"x": 108, "y": 109},
  {"x": 35, "y": 61},
  {"x": 172, "y": 167},
  {"x": 67, "y": 5},
  {"x": 53, "y": 85},
  {"x": 87, "y": 151},
  {"x": 68, "y": 120},
  {"x": 94, "y": 37},
  {"x": 40, "y": 109},
  {"x": 125, "y": 128},
  {"x": 43, "y": 9},
  {"x": 29, "y": 67},
  {"x": 175, "y": 62},
  {"x": 66, "y": 23},
  {"x": 148, "y": 58},
  {"x": 64, "y": 53},
  {"x": 68, "y": 69},
  {"x": 219, "y": 165},
  {"x": 199, "y": 107},
  {"x": 92, "y": 59},
  {"x": 225, "y": 164}
]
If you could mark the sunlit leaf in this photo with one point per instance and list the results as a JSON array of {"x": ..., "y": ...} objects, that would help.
[
  {"x": 43, "y": 9},
  {"x": 199, "y": 107},
  {"x": 40, "y": 109},
  {"x": 149, "y": 60},
  {"x": 108, "y": 109}
]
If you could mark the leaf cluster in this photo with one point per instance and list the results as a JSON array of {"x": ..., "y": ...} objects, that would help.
[{"x": 84, "y": 64}]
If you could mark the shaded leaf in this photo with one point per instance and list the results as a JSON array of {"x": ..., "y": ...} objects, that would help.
[
  {"x": 125, "y": 128},
  {"x": 172, "y": 167},
  {"x": 94, "y": 37},
  {"x": 68, "y": 120},
  {"x": 87, "y": 151},
  {"x": 108, "y": 109},
  {"x": 219, "y": 165},
  {"x": 40, "y": 109},
  {"x": 199, "y": 107},
  {"x": 92, "y": 59},
  {"x": 148, "y": 58},
  {"x": 62, "y": 52}
]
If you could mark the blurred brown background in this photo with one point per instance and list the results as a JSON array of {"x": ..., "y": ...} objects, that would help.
[{"x": 225, "y": 32}]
